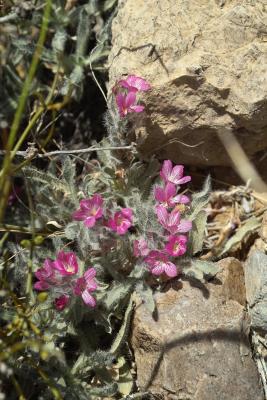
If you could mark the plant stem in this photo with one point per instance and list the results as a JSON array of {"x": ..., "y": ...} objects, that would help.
[{"x": 5, "y": 178}]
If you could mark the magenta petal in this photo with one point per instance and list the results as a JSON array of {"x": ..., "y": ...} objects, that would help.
[
  {"x": 41, "y": 285},
  {"x": 185, "y": 179},
  {"x": 159, "y": 194},
  {"x": 137, "y": 108},
  {"x": 130, "y": 99},
  {"x": 158, "y": 269},
  {"x": 170, "y": 269},
  {"x": 177, "y": 173},
  {"x": 89, "y": 274},
  {"x": 184, "y": 199},
  {"x": 185, "y": 226},
  {"x": 90, "y": 222},
  {"x": 61, "y": 302},
  {"x": 79, "y": 215},
  {"x": 123, "y": 227},
  {"x": 162, "y": 214},
  {"x": 137, "y": 82},
  {"x": 124, "y": 83},
  {"x": 166, "y": 169},
  {"x": 112, "y": 224},
  {"x": 97, "y": 200},
  {"x": 170, "y": 190},
  {"x": 120, "y": 98},
  {"x": 174, "y": 218},
  {"x": 86, "y": 204},
  {"x": 88, "y": 298},
  {"x": 127, "y": 212}
]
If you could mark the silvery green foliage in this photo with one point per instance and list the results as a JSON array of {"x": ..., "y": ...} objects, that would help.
[
  {"x": 72, "y": 30},
  {"x": 78, "y": 364}
]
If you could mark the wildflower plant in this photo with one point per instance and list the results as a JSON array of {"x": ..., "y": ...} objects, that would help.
[{"x": 122, "y": 230}]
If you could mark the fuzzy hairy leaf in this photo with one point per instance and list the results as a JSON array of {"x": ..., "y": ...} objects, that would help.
[
  {"x": 83, "y": 33},
  {"x": 201, "y": 270},
  {"x": 200, "y": 199},
  {"x": 123, "y": 332},
  {"x": 146, "y": 294},
  {"x": 197, "y": 233}
]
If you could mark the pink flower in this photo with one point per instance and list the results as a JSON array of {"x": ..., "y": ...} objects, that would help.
[
  {"x": 127, "y": 103},
  {"x": 85, "y": 285},
  {"x": 173, "y": 174},
  {"x": 61, "y": 302},
  {"x": 135, "y": 83},
  {"x": 122, "y": 221},
  {"x": 171, "y": 221},
  {"x": 90, "y": 210},
  {"x": 168, "y": 197},
  {"x": 66, "y": 263},
  {"x": 46, "y": 275},
  {"x": 140, "y": 248},
  {"x": 176, "y": 245},
  {"x": 159, "y": 263}
]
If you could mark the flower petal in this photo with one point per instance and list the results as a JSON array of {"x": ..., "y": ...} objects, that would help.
[
  {"x": 123, "y": 227},
  {"x": 97, "y": 200},
  {"x": 162, "y": 215},
  {"x": 88, "y": 298},
  {"x": 89, "y": 274},
  {"x": 170, "y": 190},
  {"x": 41, "y": 285},
  {"x": 177, "y": 173},
  {"x": 130, "y": 99},
  {"x": 159, "y": 194},
  {"x": 166, "y": 170},
  {"x": 170, "y": 269},
  {"x": 137, "y": 108},
  {"x": 127, "y": 212},
  {"x": 137, "y": 82},
  {"x": 184, "y": 226},
  {"x": 174, "y": 218},
  {"x": 79, "y": 215},
  {"x": 185, "y": 179},
  {"x": 90, "y": 222},
  {"x": 86, "y": 204},
  {"x": 158, "y": 268},
  {"x": 120, "y": 100}
]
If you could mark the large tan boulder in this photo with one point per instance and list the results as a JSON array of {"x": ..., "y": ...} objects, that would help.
[
  {"x": 197, "y": 347},
  {"x": 207, "y": 63}
]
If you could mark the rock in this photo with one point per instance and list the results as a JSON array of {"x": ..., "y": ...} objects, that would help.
[
  {"x": 256, "y": 288},
  {"x": 233, "y": 281},
  {"x": 206, "y": 62},
  {"x": 197, "y": 348}
]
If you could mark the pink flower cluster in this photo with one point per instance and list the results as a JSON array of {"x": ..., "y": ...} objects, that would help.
[
  {"x": 60, "y": 276},
  {"x": 92, "y": 209},
  {"x": 126, "y": 91},
  {"x": 169, "y": 217}
]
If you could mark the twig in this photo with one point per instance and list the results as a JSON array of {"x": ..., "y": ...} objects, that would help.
[
  {"x": 26, "y": 154},
  {"x": 93, "y": 74},
  {"x": 242, "y": 164}
]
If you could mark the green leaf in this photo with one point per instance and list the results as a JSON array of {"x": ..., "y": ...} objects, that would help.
[
  {"x": 83, "y": 33},
  {"x": 59, "y": 41},
  {"x": 124, "y": 329},
  {"x": 200, "y": 199},
  {"x": 197, "y": 233},
  {"x": 201, "y": 270},
  {"x": 146, "y": 294}
]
